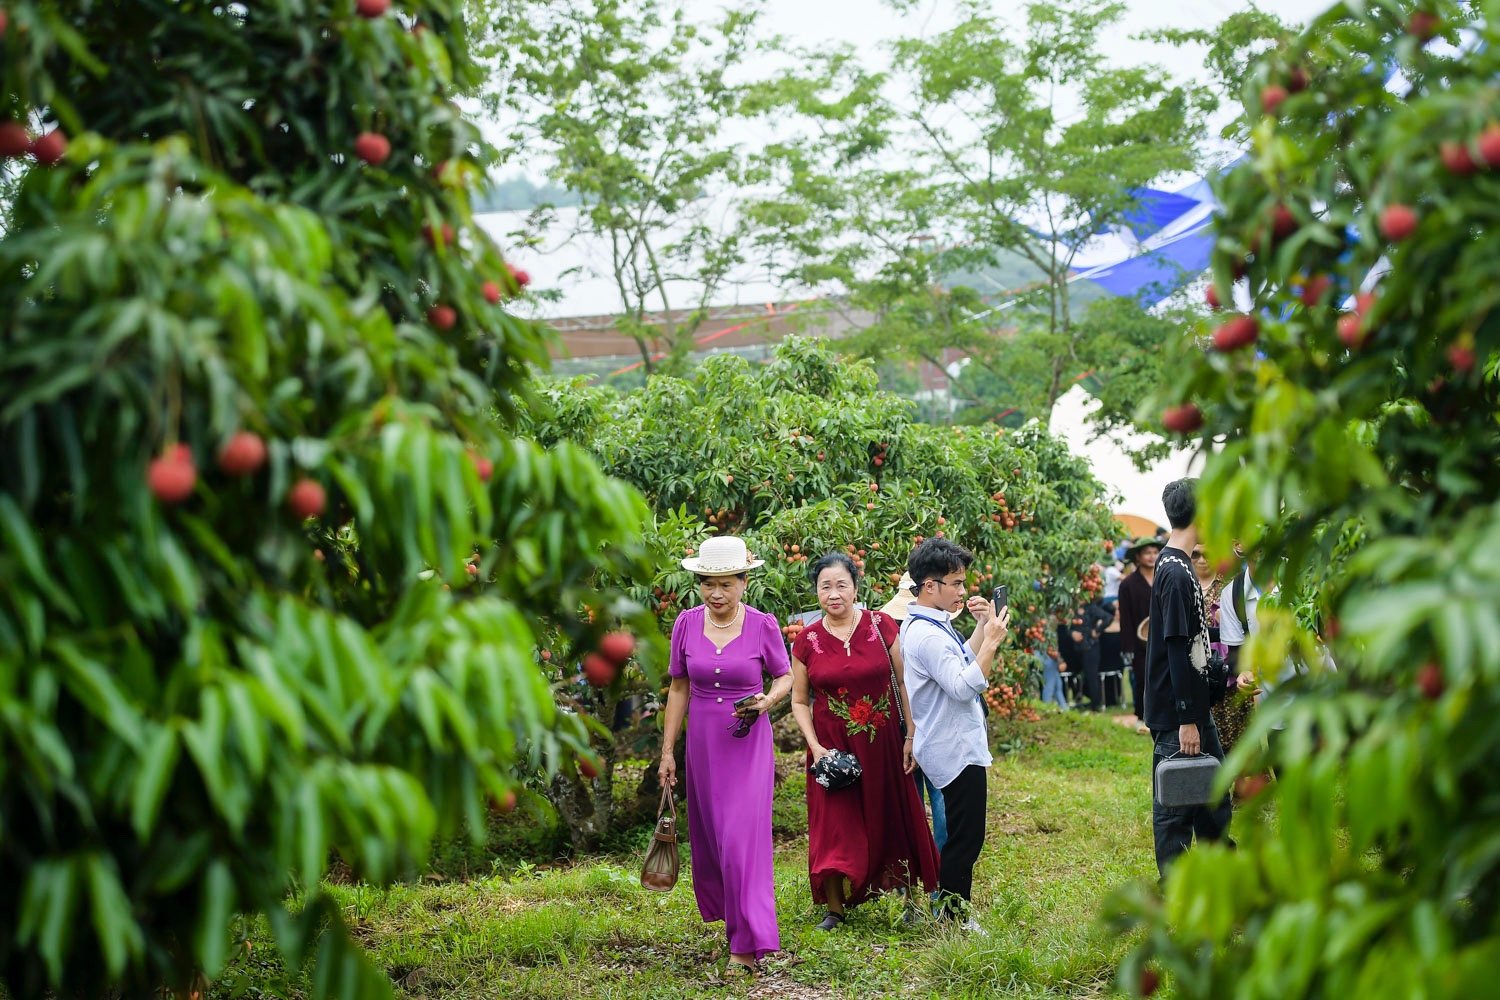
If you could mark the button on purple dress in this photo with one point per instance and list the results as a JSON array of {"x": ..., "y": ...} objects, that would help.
[{"x": 729, "y": 780}]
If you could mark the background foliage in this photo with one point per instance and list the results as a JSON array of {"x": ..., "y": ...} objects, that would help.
[
  {"x": 1355, "y": 447},
  {"x": 202, "y": 702}
]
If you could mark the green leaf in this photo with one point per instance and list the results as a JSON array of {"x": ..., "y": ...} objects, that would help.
[
  {"x": 211, "y": 935},
  {"x": 154, "y": 777}
]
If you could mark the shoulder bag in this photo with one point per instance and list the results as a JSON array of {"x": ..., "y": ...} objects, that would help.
[
  {"x": 895, "y": 685},
  {"x": 659, "y": 873}
]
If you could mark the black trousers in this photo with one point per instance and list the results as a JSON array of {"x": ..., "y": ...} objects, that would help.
[
  {"x": 1138, "y": 684},
  {"x": 1091, "y": 689},
  {"x": 1175, "y": 828},
  {"x": 964, "y": 805}
]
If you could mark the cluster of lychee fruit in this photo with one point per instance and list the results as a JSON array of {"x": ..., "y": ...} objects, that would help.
[
  {"x": 722, "y": 519},
  {"x": 172, "y": 476},
  {"x": 16, "y": 141},
  {"x": 374, "y": 148},
  {"x": 601, "y": 667},
  {"x": 1003, "y": 515}
]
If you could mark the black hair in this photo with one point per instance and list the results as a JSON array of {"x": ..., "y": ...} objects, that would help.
[
  {"x": 703, "y": 578},
  {"x": 1181, "y": 504},
  {"x": 829, "y": 561},
  {"x": 934, "y": 559}
]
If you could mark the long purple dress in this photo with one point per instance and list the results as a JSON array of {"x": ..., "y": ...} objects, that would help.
[{"x": 729, "y": 780}]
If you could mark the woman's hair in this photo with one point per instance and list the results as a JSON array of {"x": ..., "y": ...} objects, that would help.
[
  {"x": 704, "y": 579},
  {"x": 829, "y": 561},
  {"x": 934, "y": 559}
]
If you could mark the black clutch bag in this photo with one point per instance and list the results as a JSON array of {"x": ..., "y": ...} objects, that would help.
[{"x": 836, "y": 769}]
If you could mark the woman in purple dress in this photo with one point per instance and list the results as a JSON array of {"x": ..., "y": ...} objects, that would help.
[{"x": 721, "y": 652}]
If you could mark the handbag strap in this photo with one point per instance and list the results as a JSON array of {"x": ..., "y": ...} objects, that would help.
[
  {"x": 891, "y": 662},
  {"x": 667, "y": 803}
]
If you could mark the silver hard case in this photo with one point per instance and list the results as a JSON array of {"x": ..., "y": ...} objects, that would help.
[{"x": 1186, "y": 781}]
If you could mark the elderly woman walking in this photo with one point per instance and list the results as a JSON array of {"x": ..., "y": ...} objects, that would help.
[
  {"x": 847, "y": 695},
  {"x": 722, "y": 651}
]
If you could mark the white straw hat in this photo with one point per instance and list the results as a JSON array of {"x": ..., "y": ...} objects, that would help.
[
  {"x": 898, "y": 605},
  {"x": 723, "y": 555}
]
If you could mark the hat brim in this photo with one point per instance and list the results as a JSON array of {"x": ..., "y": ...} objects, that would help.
[
  {"x": 696, "y": 567},
  {"x": 897, "y": 606},
  {"x": 1136, "y": 550}
]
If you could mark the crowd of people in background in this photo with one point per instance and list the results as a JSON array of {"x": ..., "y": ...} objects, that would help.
[{"x": 889, "y": 703}]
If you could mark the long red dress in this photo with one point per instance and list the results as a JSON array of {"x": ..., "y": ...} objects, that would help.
[{"x": 874, "y": 832}]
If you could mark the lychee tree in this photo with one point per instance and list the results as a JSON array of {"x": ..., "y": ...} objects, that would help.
[
  {"x": 1354, "y": 452},
  {"x": 274, "y": 554},
  {"x": 803, "y": 456}
]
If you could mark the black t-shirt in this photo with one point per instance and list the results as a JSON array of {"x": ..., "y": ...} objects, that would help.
[{"x": 1176, "y": 694}]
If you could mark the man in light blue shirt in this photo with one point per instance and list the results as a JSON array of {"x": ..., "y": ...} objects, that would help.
[{"x": 945, "y": 677}]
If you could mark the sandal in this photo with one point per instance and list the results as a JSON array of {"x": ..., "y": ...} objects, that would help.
[
  {"x": 831, "y": 921},
  {"x": 739, "y": 970}
]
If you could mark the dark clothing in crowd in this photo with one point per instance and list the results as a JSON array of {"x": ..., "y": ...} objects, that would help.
[
  {"x": 1111, "y": 667},
  {"x": 1135, "y": 607},
  {"x": 1090, "y": 622}
]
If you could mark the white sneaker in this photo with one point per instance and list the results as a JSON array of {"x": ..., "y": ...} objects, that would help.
[{"x": 971, "y": 926}]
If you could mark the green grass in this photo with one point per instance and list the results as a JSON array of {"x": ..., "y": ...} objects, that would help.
[{"x": 1069, "y": 820}]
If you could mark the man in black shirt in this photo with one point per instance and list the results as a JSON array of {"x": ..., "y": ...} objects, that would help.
[{"x": 1177, "y": 695}]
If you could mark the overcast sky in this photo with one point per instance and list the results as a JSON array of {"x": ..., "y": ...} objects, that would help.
[{"x": 867, "y": 24}]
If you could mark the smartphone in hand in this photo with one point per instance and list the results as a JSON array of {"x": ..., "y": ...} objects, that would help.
[{"x": 1001, "y": 598}]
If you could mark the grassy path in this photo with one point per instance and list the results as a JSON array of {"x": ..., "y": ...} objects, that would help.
[{"x": 1069, "y": 819}]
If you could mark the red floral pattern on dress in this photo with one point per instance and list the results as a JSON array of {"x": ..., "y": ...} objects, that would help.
[{"x": 863, "y": 715}]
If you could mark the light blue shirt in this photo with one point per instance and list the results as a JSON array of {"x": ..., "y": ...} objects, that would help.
[{"x": 944, "y": 683}]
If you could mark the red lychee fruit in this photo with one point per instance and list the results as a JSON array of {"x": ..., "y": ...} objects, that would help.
[
  {"x": 171, "y": 477},
  {"x": 1241, "y": 331},
  {"x": 242, "y": 454},
  {"x": 50, "y": 148},
  {"x": 1430, "y": 681},
  {"x": 372, "y": 147},
  {"x": 1398, "y": 222},
  {"x": 1184, "y": 419},
  {"x": 306, "y": 499},
  {"x": 14, "y": 139},
  {"x": 617, "y": 647}
]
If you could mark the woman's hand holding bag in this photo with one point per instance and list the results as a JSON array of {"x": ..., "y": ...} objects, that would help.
[{"x": 660, "y": 870}]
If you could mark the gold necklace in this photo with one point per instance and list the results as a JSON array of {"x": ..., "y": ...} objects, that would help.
[
  {"x": 738, "y": 614},
  {"x": 845, "y": 639}
]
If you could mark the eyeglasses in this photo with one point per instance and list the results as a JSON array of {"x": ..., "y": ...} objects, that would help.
[
  {"x": 740, "y": 728},
  {"x": 948, "y": 583}
]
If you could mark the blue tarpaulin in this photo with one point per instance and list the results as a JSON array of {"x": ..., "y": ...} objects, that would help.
[
  {"x": 1152, "y": 276},
  {"x": 1156, "y": 210}
]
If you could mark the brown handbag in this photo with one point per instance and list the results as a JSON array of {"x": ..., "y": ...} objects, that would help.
[{"x": 662, "y": 864}]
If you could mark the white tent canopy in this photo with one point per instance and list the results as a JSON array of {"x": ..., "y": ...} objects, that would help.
[{"x": 1139, "y": 492}]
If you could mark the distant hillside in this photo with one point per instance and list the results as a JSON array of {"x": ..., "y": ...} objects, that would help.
[{"x": 521, "y": 194}]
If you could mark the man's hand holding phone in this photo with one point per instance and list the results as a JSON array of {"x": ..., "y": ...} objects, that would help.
[{"x": 996, "y": 629}]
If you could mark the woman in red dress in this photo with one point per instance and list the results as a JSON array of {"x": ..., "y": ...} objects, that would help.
[{"x": 871, "y": 836}]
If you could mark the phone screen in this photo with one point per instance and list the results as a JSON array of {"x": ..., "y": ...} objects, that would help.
[{"x": 1002, "y": 597}]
